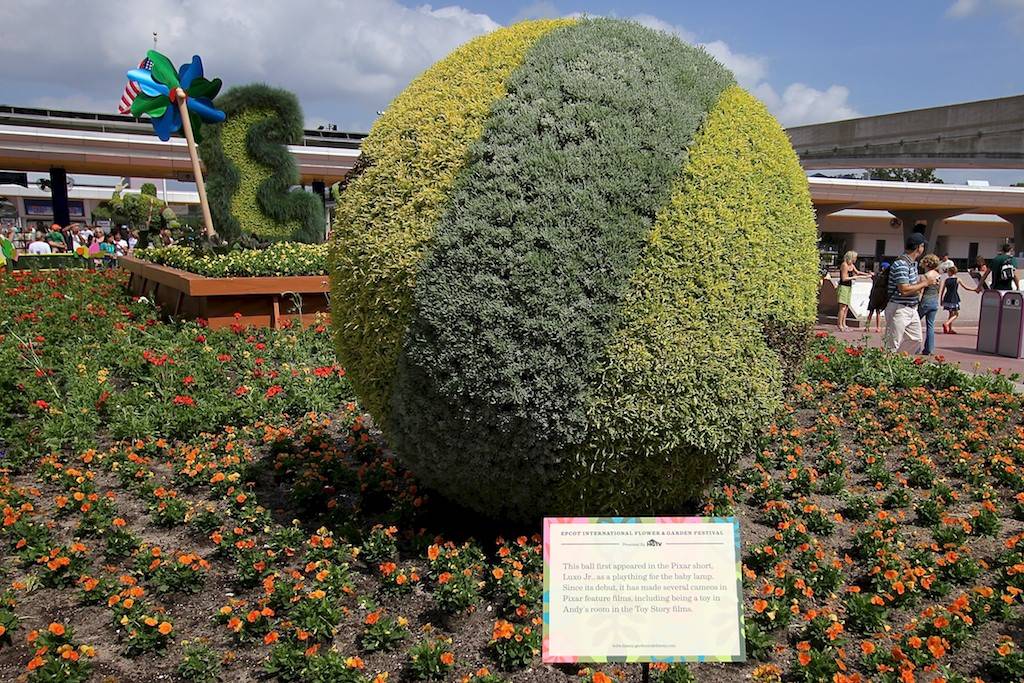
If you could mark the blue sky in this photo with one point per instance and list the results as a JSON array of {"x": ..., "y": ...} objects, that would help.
[{"x": 809, "y": 61}]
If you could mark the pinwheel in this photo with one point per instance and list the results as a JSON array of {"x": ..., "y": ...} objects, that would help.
[
  {"x": 175, "y": 101},
  {"x": 162, "y": 88}
]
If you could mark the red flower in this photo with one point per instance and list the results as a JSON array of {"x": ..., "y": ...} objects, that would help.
[
  {"x": 184, "y": 401},
  {"x": 42, "y": 405},
  {"x": 274, "y": 391}
]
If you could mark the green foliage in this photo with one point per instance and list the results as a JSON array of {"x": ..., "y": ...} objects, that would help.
[
  {"x": 590, "y": 311},
  {"x": 199, "y": 663},
  {"x": 250, "y": 171},
  {"x": 288, "y": 258},
  {"x": 905, "y": 175},
  {"x": 143, "y": 212},
  {"x": 387, "y": 215},
  {"x": 539, "y": 253},
  {"x": 832, "y": 361}
]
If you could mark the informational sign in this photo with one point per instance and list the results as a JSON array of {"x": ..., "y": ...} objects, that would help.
[{"x": 642, "y": 589}]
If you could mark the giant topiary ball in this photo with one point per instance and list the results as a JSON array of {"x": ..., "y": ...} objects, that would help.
[{"x": 572, "y": 270}]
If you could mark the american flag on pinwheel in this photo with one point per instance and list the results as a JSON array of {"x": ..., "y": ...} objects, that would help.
[{"x": 132, "y": 89}]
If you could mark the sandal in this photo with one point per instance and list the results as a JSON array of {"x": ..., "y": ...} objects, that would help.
[{"x": 945, "y": 328}]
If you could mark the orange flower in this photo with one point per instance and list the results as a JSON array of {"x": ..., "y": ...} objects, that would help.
[
  {"x": 354, "y": 663},
  {"x": 1005, "y": 649},
  {"x": 165, "y": 628},
  {"x": 372, "y": 618},
  {"x": 433, "y": 552},
  {"x": 502, "y": 630},
  {"x": 760, "y": 605},
  {"x": 600, "y": 677},
  {"x": 56, "y": 629},
  {"x": 804, "y": 659},
  {"x": 36, "y": 662},
  {"x": 270, "y": 638},
  {"x": 447, "y": 658},
  {"x": 498, "y": 573},
  {"x": 867, "y": 647}
]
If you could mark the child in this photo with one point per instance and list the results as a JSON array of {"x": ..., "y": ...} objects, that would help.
[
  {"x": 949, "y": 295},
  {"x": 876, "y": 299}
]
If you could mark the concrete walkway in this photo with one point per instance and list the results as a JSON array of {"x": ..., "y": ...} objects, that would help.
[{"x": 956, "y": 348}]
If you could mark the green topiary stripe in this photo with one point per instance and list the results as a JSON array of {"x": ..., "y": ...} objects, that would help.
[
  {"x": 387, "y": 216},
  {"x": 688, "y": 372},
  {"x": 547, "y": 224}
]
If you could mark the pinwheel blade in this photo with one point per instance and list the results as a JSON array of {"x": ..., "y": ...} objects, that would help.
[
  {"x": 152, "y": 106},
  {"x": 145, "y": 80},
  {"x": 168, "y": 124},
  {"x": 205, "y": 109},
  {"x": 163, "y": 71},
  {"x": 190, "y": 71},
  {"x": 200, "y": 87}
]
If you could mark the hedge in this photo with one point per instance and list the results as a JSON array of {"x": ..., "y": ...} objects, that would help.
[
  {"x": 587, "y": 310},
  {"x": 386, "y": 217},
  {"x": 250, "y": 171},
  {"x": 527, "y": 272},
  {"x": 287, "y": 258}
]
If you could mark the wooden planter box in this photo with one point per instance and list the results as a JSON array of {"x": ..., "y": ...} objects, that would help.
[{"x": 259, "y": 301}]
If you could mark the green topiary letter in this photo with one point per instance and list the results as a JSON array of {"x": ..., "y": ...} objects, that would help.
[{"x": 250, "y": 171}]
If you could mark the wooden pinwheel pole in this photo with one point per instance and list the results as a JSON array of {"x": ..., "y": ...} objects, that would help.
[{"x": 180, "y": 99}]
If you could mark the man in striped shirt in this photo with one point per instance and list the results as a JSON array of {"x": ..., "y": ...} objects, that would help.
[{"x": 905, "y": 287}]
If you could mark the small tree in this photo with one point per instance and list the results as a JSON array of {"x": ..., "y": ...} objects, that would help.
[
  {"x": 905, "y": 175},
  {"x": 144, "y": 212}
]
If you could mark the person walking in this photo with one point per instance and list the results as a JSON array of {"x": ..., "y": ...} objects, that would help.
[
  {"x": 847, "y": 271},
  {"x": 8, "y": 254},
  {"x": 1004, "y": 271},
  {"x": 905, "y": 287},
  {"x": 929, "y": 306},
  {"x": 945, "y": 263}
]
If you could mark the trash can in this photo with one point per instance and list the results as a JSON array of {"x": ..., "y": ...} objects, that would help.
[
  {"x": 988, "y": 321},
  {"x": 1011, "y": 325}
]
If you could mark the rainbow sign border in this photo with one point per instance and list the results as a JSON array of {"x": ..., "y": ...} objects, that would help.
[{"x": 640, "y": 659}]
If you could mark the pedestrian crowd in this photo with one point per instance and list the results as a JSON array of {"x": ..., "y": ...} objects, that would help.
[
  {"x": 88, "y": 241},
  {"x": 912, "y": 290}
]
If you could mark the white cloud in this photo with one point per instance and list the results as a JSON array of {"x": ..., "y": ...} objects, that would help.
[
  {"x": 1014, "y": 9},
  {"x": 962, "y": 8},
  {"x": 799, "y": 103},
  {"x": 334, "y": 54}
]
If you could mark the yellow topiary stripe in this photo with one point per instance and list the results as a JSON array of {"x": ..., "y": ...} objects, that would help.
[
  {"x": 387, "y": 215},
  {"x": 688, "y": 372}
]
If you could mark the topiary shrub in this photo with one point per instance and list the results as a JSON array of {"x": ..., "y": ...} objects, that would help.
[
  {"x": 250, "y": 172},
  {"x": 574, "y": 266}
]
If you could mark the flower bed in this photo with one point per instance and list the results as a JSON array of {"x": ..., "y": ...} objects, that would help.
[
  {"x": 150, "y": 473},
  {"x": 226, "y": 301},
  {"x": 286, "y": 258}
]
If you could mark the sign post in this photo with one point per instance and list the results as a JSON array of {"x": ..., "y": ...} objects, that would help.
[{"x": 642, "y": 590}]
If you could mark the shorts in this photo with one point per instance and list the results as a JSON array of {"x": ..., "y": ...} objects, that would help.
[{"x": 844, "y": 293}]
